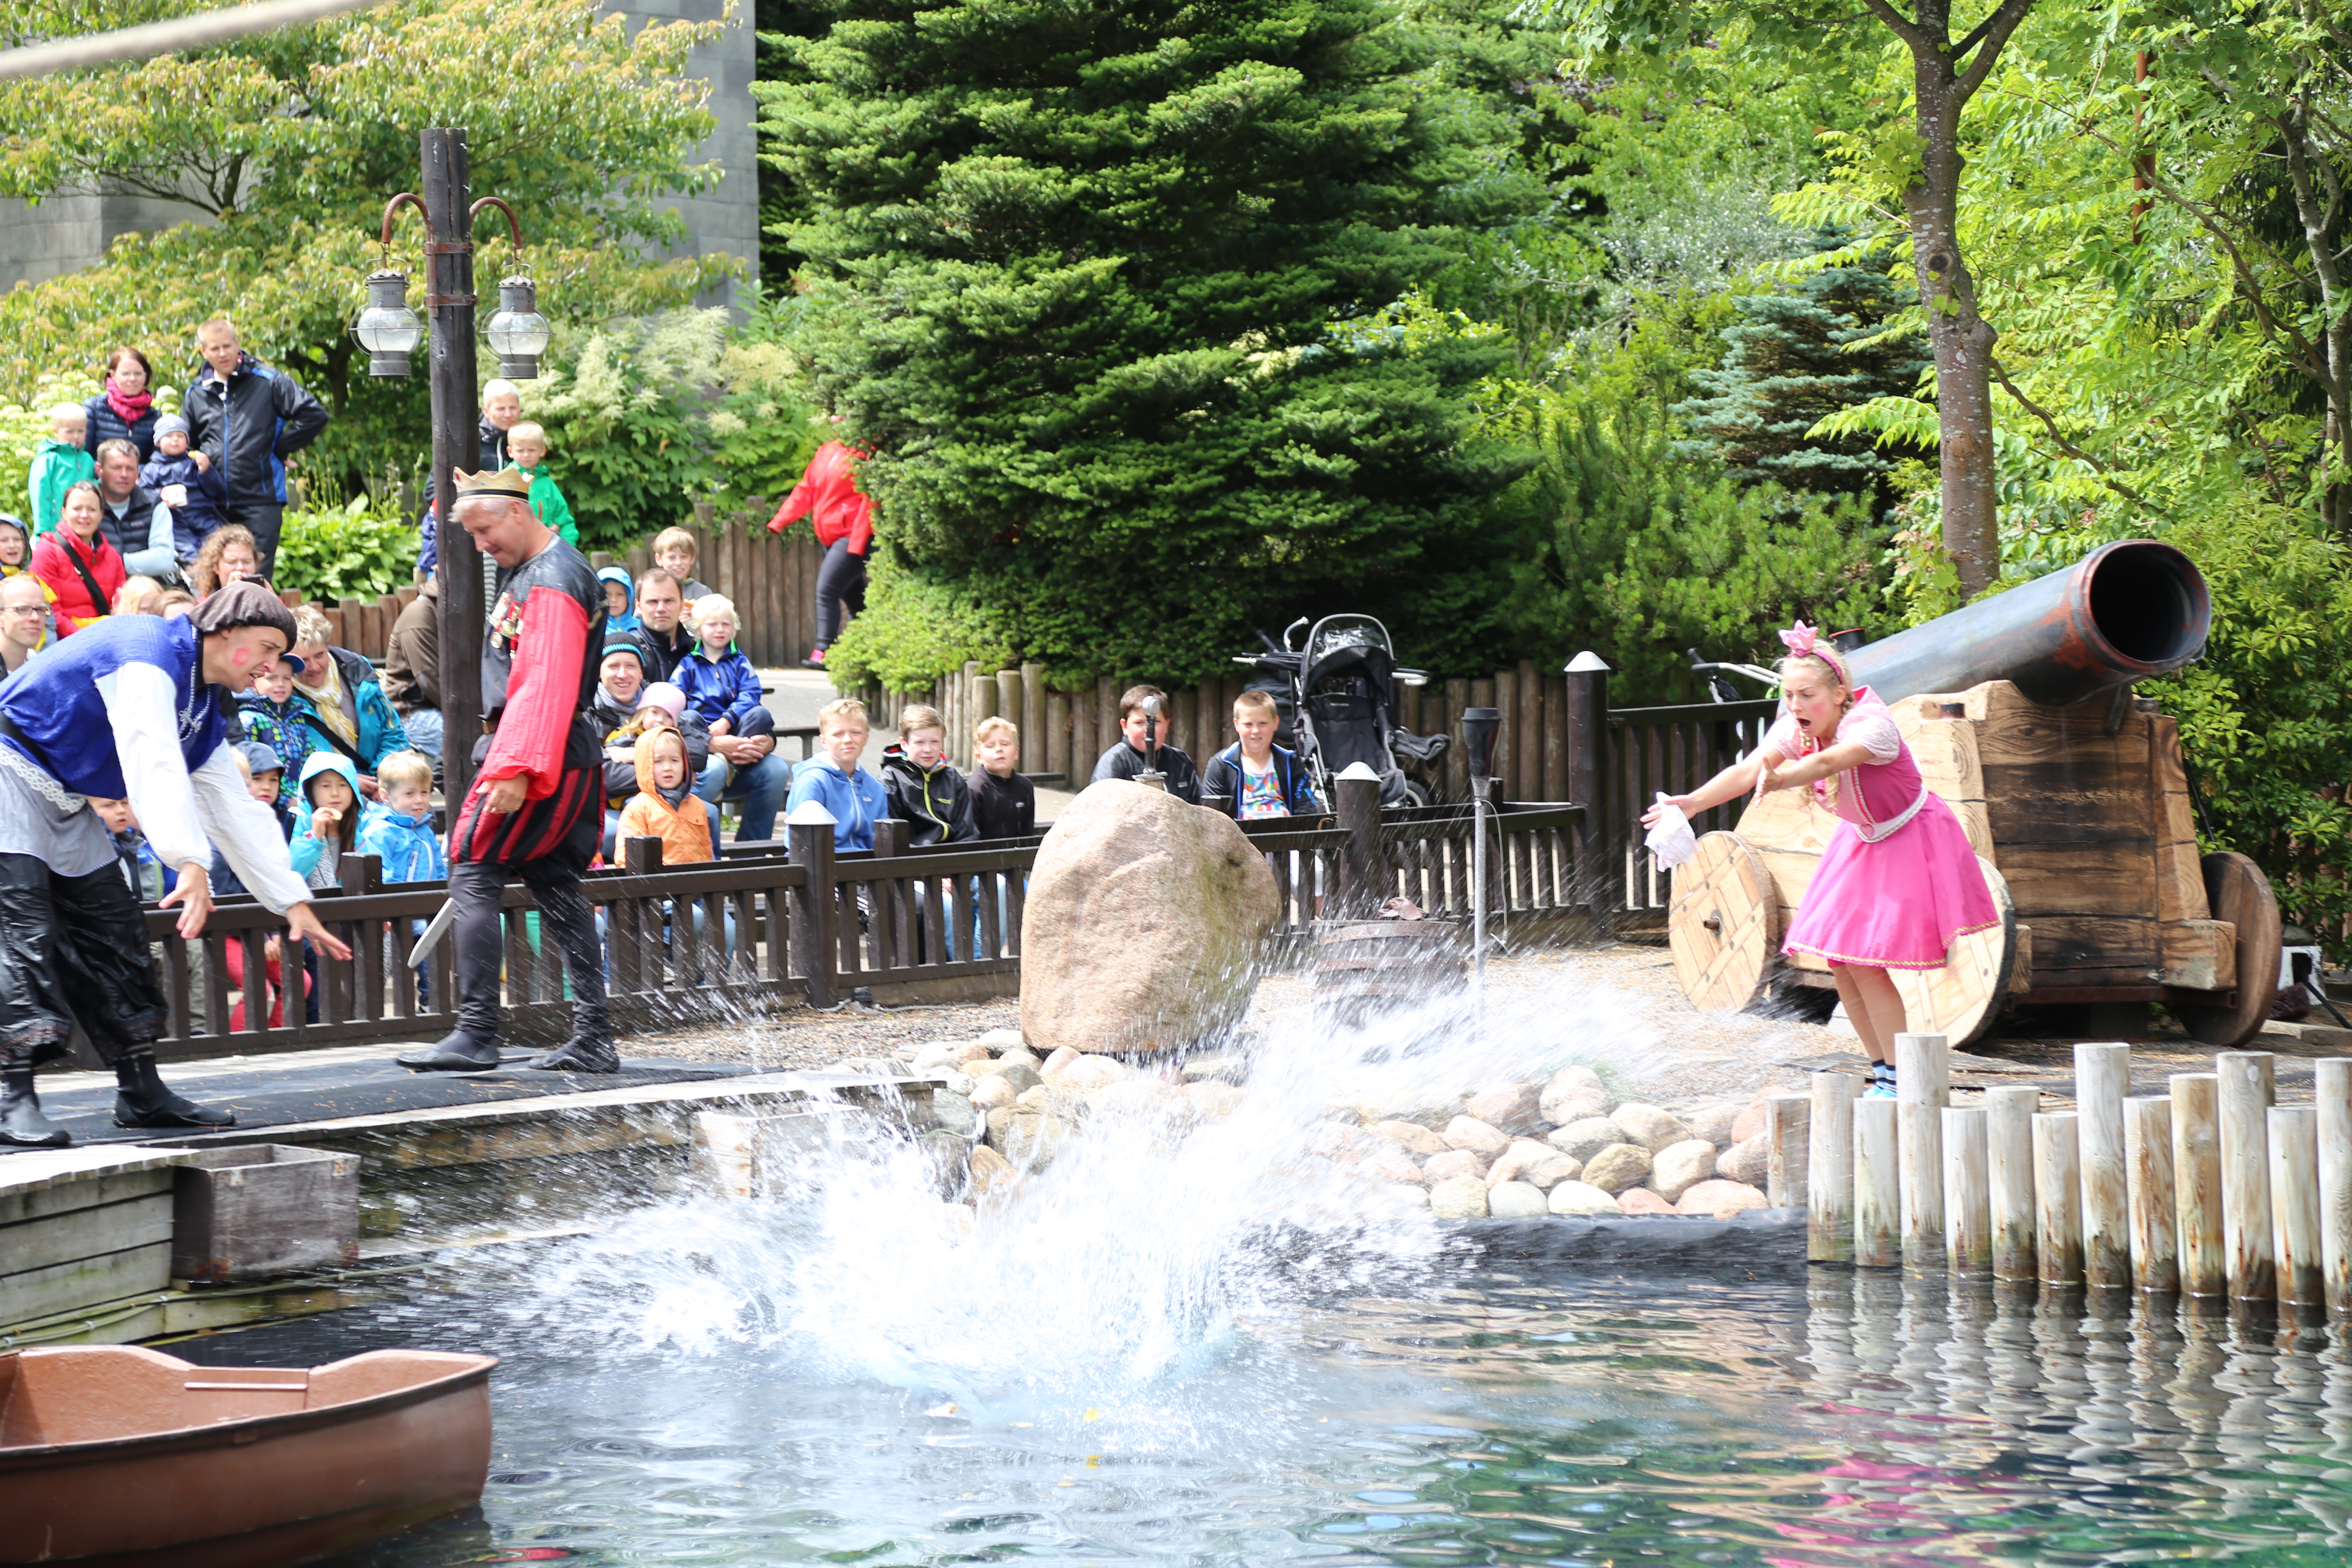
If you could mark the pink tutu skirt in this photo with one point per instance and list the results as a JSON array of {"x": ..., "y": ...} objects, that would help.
[{"x": 1899, "y": 903}]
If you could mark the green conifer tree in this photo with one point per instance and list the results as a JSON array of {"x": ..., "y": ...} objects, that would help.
[
  {"x": 1095, "y": 285},
  {"x": 1786, "y": 365}
]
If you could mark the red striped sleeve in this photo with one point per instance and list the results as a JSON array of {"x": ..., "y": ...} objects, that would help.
[{"x": 542, "y": 692}]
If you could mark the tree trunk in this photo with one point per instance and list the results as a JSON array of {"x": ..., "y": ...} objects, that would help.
[{"x": 1962, "y": 338}]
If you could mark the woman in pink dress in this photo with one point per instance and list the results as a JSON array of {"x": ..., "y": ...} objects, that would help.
[{"x": 1899, "y": 883}]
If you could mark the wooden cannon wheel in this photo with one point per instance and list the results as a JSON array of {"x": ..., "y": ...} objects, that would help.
[
  {"x": 1724, "y": 925},
  {"x": 1962, "y": 1001},
  {"x": 2239, "y": 893}
]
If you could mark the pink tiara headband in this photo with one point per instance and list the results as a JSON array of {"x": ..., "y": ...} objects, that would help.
[{"x": 1804, "y": 641}]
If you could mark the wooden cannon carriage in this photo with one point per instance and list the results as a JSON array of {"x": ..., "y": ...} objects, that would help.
[{"x": 2078, "y": 809}]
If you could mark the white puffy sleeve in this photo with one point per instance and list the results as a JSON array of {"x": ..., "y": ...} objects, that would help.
[
  {"x": 246, "y": 832},
  {"x": 140, "y": 705},
  {"x": 1873, "y": 730}
]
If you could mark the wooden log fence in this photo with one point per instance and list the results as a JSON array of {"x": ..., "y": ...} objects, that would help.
[
  {"x": 780, "y": 925},
  {"x": 2209, "y": 1190}
]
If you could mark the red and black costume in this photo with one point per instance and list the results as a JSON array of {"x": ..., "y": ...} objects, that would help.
[{"x": 540, "y": 654}]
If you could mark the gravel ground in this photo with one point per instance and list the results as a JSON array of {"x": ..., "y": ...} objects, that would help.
[{"x": 1670, "y": 1053}]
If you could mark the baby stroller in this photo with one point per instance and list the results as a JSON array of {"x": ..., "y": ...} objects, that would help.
[{"x": 1336, "y": 691}]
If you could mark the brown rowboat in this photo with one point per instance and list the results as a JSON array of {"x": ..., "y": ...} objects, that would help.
[{"x": 111, "y": 1453}]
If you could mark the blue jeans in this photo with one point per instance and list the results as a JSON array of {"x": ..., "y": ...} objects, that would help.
[
  {"x": 424, "y": 727},
  {"x": 759, "y": 789}
]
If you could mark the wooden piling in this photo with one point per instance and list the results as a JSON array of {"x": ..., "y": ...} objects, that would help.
[
  {"x": 2247, "y": 1095},
  {"x": 2102, "y": 1078},
  {"x": 2058, "y": 1198},
  {"x": 1829, "y": 1168},
  {"x": 1968, "y": 1193},
  {"x": 2293, "y": 1136},
  {"x": 2332, "y": 1087},
  {"x": 1789, "y": 1180},
  {"x": 1923, "y": 1079},
  {"x": 2196, "y": 1184},
  {"x": 2147, "y": 1155},
  {"x": 2009, "y": 1160},
  {"x": 1877, "y": 1185}
]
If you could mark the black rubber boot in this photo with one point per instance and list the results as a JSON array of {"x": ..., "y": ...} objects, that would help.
[
  {"x": 21, "y": 1121},
  {"x": 144, "y": 1099},
  {"x": 581, "y": 1053},
  {"x": 460, "y": 1052}
]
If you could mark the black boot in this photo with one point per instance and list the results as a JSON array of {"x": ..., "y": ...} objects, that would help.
[
  {"x": 590, "y": 1049},
  {"x": 21, "y": 1121},
  {"x": 144, "y": 1099},
  {"x": 461, "y": 1051}
]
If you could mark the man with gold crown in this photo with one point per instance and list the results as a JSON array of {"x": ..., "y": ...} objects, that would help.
[{"x": 535, "y": 809}]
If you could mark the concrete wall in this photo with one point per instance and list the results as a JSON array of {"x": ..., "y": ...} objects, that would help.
[{"x": 68, "y": 233}]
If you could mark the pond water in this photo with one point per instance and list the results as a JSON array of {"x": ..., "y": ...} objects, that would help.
[
  {"x": 1195, "y": 1341},
  {"x": 1471, "y": 1417}
]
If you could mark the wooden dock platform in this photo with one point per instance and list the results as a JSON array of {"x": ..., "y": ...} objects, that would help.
[{"x": 86, "y": 1232}]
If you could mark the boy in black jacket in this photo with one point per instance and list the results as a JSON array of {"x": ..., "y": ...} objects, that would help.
[
  {"x": 1004, "y": 803},
  {"x": 1125, "y": 759},
  {"x": 923, "y": 789}
]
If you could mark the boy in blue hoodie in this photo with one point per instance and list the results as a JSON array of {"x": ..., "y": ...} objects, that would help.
[
  {"x": 834, "y": 781},
  {"x": 401, "y": 831},
  {"x": 174, "y": 471},
  {"x": 620, "y": 600}
]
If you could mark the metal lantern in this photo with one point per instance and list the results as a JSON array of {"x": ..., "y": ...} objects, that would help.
[
  {"x": 518, "y": 334},
  {"x": 388, "y": 328}
]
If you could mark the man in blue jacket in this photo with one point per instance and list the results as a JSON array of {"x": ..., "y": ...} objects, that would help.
[{"x": 249, "y": 419}]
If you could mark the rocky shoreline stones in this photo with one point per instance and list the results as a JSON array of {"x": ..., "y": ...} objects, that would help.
[{"x": 1564, "y": 1146}]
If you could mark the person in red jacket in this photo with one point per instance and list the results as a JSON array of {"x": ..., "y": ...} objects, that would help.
[
  {"x": 844, "y": 520},
  {"x": 81, "y": 570},
  {"x": 535, "y": 810}
]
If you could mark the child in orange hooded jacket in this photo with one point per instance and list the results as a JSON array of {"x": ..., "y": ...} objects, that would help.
[{"x": 664, "y": 806}]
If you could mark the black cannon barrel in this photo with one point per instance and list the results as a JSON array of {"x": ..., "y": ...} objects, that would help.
[{"x": 2127, "y": 611}]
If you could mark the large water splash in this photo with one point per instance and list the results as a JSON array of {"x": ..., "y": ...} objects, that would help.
[{"x": 1164, "y": 1243}]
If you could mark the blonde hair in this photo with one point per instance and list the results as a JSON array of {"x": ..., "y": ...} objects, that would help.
[
  {"x": 404, "y": 768},
  {"x": 922, "y": 716},
  {"x": 500, "y": 388},
  {"x": 1257, "y": 701},
  {"x": 525, "y": 427},
  {"x": 649, "y": 717},
  {"x": 218, "y": 324},
  {"x": 677, "y": 539},
  {"x": 311, "y": 625},
  {"x": 990, "y": 725},
  {"x": 73, "y": 411},
  {"x": 711, "y": 605},
  {"x": 132, "y": 597},
  {"x": 845, "y": 711}
]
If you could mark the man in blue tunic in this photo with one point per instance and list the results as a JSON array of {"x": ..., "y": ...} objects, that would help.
[{"x": 128, "y": 707}]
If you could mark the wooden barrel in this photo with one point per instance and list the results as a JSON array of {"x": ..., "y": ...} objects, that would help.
[{"x": 1363, "y": 968}]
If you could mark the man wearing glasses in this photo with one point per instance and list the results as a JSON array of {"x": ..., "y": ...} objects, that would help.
[{"x": 24, "y": 621}]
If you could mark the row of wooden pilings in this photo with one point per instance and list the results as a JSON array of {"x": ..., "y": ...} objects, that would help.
[{"x": 2213, "y": 1190}]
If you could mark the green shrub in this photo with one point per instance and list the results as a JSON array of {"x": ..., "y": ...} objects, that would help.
[
  {"x": 914, "y": 626},
  {"x": 354, "y": 552}
]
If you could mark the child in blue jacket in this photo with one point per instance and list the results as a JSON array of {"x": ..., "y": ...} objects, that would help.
[
  {"x": 834, "y": 781},
  {"x": 720, "y": 683},
  {"x": 401, "y": 835},
  {"x": 201, "y": 491}
]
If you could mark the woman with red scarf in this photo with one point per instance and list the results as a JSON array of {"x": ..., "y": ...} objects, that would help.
[{"x": 126, "y": 409}]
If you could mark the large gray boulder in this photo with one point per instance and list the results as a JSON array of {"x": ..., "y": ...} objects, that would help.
[{"x": 1144, "y": 923}]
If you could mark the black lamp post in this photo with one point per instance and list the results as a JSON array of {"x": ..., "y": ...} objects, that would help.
[{"x": 389, "y": 330}]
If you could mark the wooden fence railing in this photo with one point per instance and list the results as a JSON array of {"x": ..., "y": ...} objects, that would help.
[{"x": 764, "y": 929}]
